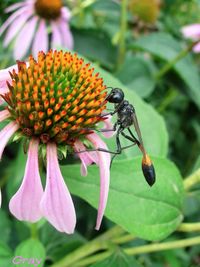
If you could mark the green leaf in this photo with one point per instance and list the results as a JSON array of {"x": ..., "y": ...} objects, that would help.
[
  {"x": 95, "y": 45},
  {"x": 30, "y": 251},
  {"x": 152, "y": 125},
  {"x": 6, "y": 255},
  {"x": 137, "y": 73},
  {"x": 165, "y": 47},
  {"x": 149, "y": 213},
  {"x": 16, "y": 172},
  {"x": 58, "y": 244},
  {"x": 5, "y": 226},
  {"x": 118, "y": 259}
]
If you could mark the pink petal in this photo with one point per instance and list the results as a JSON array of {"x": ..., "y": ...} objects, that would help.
[
  {"x": 40, "y": 42},
  {"x": 4, "y": 77},
  {"x": 65, "y": 13},
  {"x": 67, "y": 38},
  {"x": 12, "y": 18},
  {"x": 5, "y": 135},
  {"x": 56, "y": 35},
  {"x": 15, "y": 27},
  {"x": 104, "y": 165},
  {"x": 196, "y": 48},
  {"x": 14, "y": 6},
  {"x": 56, "y": 205},
  {"x": 25, "y": 204},
  {"x": 4, "y": 114},
  {"x": 85, "y": 157},
  {"x": 3, "y": 90},
  {"x": 191, "y": 31},
  {"x": 107, "y": 126},
  {"x": 24, "y": 38}
]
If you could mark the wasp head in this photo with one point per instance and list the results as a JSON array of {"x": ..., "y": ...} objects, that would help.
[{"x": 115, "y": 96}]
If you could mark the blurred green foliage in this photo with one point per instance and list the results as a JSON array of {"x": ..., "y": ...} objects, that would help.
[{"x": 167, "y": 104}]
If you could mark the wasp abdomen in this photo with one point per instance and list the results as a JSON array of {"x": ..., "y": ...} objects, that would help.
[{"x": 148, "y": 170}]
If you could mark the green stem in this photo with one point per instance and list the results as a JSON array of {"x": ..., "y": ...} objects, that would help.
[
  {"x": 169, "y": 65},
  {"x": 123, "y": 27},
  {"x": 82, "y": 6},
  {"x": 189, "y": 227},
  {"x": 123, "y": 239},
  {"x": 167, "y": 100},
  {"x": 100, "y": 242},
  {"x": 34, "y": 231},
  {"x": 81, "y": 14},
  {"x": 191, "y": 180},
  {"x": 93, "y": 259},
  {"x": 163, "y": 246},
  {"x": 116, "y": 235},
  {"x": 142, "y": 249}
]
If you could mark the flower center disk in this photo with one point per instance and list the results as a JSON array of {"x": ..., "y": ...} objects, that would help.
[
  {"x": 57, "y": 98},
  {"x": 48, "y": 9}
]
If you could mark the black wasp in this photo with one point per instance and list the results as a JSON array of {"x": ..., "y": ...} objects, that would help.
[{"x": 126, "y": 117}]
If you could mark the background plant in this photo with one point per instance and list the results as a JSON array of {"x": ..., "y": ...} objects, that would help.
[{"x": 159, "y": 74}]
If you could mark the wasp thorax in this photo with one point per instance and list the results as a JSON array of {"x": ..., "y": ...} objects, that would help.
[
  {"x": 56, "y": 98},
  {"x": 48, "y": 9}
]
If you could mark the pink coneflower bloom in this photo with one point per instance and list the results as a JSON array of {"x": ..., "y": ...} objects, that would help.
[
  {"x": 54, "y": 101},
  {"x": 29, "y": 27},
  {"x": 193, "y": 32}
]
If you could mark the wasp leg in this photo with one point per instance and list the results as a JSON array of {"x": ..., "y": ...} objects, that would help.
[
  {"x": 119, "y": 147},
  {"x": 132, "y": 139},
  {"x": 118, "y": 151},
  {"x": 132, "y": 134},
  {"x": 96, "y": 130}
]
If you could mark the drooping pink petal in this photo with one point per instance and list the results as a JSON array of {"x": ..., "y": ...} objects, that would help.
[
  {"x": 14, "y": 7},
  {"x": 24, "y": 38},
  {"x": 104, "y": 166},
  {"x": 40, "y": 42},
  {"x": 67, "y": 38},
  {"x": 5, "y": 135},
  {"x": 15, "y": 27},
  {"x": 196, "y": 48},
  {"x": 11, "y": 19},
  {"x": 65, "y": 13},
  {"x": 85, "y": 157},
  {"x": 108, "y": 126},
  {"x": 25, "y": 204},
  {"x": 4, "y": 114},
  {"x": 56, "y": 35},
  {"x": 191, "y": 31},
  {"x": 56, "y": 205}
]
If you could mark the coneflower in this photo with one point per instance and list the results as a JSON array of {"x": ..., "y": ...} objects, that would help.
[
  {"x": 55, "y": 101},
  {"x": 29, "y": 25}
]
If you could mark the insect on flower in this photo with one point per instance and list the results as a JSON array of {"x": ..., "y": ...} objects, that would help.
[{"x": 126, "y": 117}]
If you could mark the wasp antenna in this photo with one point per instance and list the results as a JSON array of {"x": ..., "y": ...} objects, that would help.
[{"x": 148, "y": 170}]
